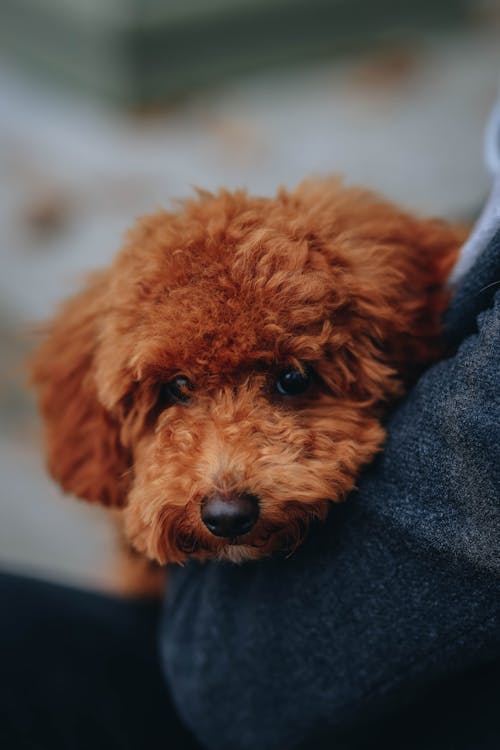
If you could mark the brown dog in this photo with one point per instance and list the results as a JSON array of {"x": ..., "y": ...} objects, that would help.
[{"x": 224, "y": 380}]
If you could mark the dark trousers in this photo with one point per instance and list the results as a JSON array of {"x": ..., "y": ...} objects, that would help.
[{"x": 80, "y": 671}]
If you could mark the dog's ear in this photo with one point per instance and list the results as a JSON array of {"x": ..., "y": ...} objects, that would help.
[
  {"x": 84, "y": 451},
  {"x": 414, "y": 288},
  {"x": 395, "y": 265}
]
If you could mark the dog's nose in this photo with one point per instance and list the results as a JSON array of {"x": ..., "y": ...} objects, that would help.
[{"x": 230, "y": 514}]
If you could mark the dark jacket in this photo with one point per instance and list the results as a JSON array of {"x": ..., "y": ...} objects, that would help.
[{"x": 383, "y": 629}]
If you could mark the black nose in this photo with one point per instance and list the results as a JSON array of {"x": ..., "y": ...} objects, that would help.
[{"x": 230, "y": 514}]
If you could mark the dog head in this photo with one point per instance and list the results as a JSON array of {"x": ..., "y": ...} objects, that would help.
[{"x": 224, "y": 380}]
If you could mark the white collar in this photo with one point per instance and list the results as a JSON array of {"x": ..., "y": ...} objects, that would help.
[{"x": 489, "y": 220}]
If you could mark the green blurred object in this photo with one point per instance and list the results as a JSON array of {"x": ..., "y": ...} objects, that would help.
[{"x": 142, "y": 52}]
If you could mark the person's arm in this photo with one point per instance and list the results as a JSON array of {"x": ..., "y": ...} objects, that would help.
[{"x": 397, "y": 590}]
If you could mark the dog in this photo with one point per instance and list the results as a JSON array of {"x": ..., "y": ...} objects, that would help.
[{"x": 225, "y": 379}]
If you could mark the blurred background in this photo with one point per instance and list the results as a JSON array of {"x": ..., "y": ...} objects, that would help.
[{"x": 111, "y": 108}]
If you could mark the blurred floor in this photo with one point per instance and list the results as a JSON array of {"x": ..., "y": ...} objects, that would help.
[{"x": 407, "y": 121}]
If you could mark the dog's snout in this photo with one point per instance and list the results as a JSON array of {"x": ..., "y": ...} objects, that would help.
[{"x": 230, "y": 514}]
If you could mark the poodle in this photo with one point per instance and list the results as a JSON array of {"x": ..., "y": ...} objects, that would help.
[{"x": 226, "y": 378}]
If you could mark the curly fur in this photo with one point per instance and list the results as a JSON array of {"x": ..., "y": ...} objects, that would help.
[{"x": 228, "y": 291}]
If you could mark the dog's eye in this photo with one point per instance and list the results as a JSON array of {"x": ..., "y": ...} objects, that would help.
[
  {"x": 176, "y": 391},
  {"x": 293, "y": 382}
]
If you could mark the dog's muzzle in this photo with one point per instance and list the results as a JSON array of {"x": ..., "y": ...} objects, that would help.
[{"x": 230, "y": 514}]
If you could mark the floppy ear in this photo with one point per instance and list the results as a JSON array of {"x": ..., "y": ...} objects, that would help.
[
  {"x": 396, "y": 266},
  {"x": 82, "y": 438},
  {"x": 423, "y": 257}
]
